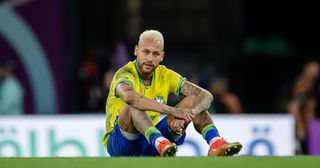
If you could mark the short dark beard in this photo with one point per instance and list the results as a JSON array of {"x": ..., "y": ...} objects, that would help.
[{"x": 141, "y": 70}]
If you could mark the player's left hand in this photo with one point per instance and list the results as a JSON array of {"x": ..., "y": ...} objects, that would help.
[{"x": 178, "y": 126}]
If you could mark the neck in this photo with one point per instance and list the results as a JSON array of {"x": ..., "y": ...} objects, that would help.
[{"x": 145, "y": 77}]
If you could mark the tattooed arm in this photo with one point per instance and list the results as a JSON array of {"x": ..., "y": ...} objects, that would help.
[
  {"x": 201, "y": 97},
  {"x": 139, "y": 101}
]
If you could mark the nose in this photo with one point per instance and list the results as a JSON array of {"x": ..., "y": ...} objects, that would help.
[{"x": 149, "y": 57}]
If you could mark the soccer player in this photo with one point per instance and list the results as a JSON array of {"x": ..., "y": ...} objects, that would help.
[{"x": 138, "y": 94}]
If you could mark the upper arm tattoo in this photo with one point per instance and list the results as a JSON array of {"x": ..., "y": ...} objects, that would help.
[
  {"x": 123, "y": 87},
  {"x": 189, "y": 88},
  {"x": 204, "y": 98}
]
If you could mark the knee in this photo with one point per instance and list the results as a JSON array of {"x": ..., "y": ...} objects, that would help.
[
  {"x": 131, "y": 109},
  {"x": 125, "y": 113}
]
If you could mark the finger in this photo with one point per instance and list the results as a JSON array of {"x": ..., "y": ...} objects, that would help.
[
  {"x": 179, "y": 131},
  {"x": 175, "y": 124},
  {"x": 193, "y": 115},
  {"x": 185, "y": 117},
  {"x": 189, "y": 117},
  {"x": 172, "y": 124},
  {"x": 181, "y": 124},
  {"x": 178, "y": 128}
]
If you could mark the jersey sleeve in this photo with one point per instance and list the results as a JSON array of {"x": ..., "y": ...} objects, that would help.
[
  {"x": 176, "y": 80},
  {"x": 123, "y": 76}
]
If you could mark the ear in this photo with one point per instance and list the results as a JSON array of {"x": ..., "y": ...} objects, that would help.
[{"x": 136, "y": 48}]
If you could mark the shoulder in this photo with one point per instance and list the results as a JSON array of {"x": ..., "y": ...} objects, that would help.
[
  {"x": 164, "y": 70},
  {"x": 127, "y": 69},
  {"x": 161, "y": 68}
]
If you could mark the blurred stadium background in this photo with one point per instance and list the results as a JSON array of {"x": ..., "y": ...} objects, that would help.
[{"x": 64, "y": 53}]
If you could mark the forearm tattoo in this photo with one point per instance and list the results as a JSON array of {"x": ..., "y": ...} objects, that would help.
[
  {"x": 140, "y": 98},
  {"x": 168, "y": 111}
]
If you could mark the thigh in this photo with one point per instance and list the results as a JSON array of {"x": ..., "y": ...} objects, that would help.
[
  {"x": 125, "y": 121},
  {"x": 187, "y": 102},
  {"x": 118, "y": 145}
]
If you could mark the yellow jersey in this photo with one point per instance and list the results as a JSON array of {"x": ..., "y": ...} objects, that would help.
[{"x": 164, "y": 81}]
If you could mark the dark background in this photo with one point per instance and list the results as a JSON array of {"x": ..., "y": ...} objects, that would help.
[{"x": 259, "y": 45}]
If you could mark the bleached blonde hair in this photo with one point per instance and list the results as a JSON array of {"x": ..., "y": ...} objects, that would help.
[{"x": 155, "y": 35}]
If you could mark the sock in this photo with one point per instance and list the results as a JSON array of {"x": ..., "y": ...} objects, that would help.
[
  {"x": 153, "y": 135},
  {"x": 210, "y": 133}
]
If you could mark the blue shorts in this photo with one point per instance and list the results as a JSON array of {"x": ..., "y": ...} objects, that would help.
[{"x": 118, "y": 145}]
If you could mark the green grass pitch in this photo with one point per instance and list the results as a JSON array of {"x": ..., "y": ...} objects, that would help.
[{"x": 158, "y": 162}]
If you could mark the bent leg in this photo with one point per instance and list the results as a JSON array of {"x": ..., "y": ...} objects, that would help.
[
  {"x": 133, "y": 120},
  {"x": 200, "y": 121},
  {"x": 204, "y": 125},
  {"x": 186, "y": 102},
  {"x": 120, "y": 145}
]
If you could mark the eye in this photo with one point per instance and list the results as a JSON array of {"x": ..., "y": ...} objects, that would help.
[
  {"x": 156, "y": 54},
  {"x": 146, "y": 51}
]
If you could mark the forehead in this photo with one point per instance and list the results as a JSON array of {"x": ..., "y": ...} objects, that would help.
[{"x": 150, "y": 44}]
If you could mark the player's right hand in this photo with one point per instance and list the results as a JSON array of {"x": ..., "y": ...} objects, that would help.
[{"x": 186, "y": 114}]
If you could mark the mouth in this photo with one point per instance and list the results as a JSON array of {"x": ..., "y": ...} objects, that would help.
[{"x": 149, "y": 65}]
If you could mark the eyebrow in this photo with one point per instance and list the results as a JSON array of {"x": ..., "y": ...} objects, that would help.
[{"x": 156, "y": 51}]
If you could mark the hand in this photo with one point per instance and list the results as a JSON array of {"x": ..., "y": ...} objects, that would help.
[
  {"x": 185, "y": 114},
  {"x": 177, "y": 126}
]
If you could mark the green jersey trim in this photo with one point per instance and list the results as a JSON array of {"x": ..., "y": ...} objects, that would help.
[
  {"x": 122, "y": 81},
  {"x": 179, "y": 87}
]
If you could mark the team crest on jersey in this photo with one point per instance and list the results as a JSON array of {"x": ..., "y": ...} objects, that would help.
[{"x": 159, "y": 99}]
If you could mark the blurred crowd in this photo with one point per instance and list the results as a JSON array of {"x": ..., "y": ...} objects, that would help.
[
  {"x": 11, "y": 91},
  {"x": 94, "y": 75},
  {"x": 303, "y": 102}
]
